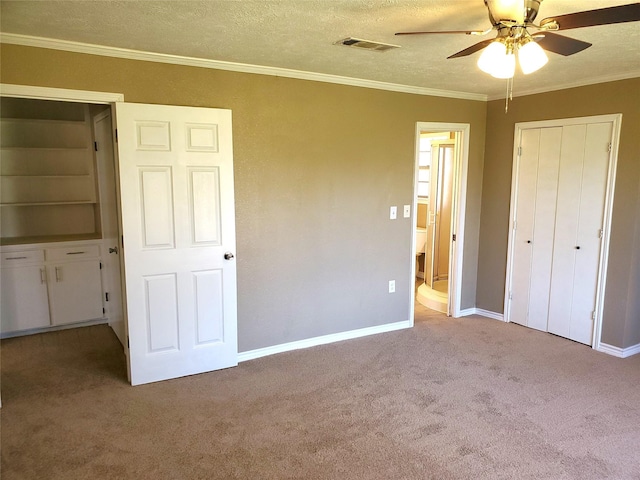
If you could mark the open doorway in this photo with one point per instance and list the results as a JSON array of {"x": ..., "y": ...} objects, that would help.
[
  {"x": 59, "y": 218},
  {"x": 439, "y": 198}
]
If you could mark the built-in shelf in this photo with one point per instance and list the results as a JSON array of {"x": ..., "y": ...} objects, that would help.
[
  {"x": 43, "y": 121},
  {"x": 49, "y": 239},
  {"x": 48, "y": 187}
]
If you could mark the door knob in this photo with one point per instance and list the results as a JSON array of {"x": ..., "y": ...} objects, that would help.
[
  {"x": 577, "y": 247},
  {"x": 113, "y": 250},
  {"x": 228, "y": 256}
]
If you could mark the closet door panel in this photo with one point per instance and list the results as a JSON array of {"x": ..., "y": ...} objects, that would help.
[
  {"x": 566, "y": 229},
  {"x": 592, "y": 199},
  {"x": 525, "y": 212},
  {"x": 544, "y": 226}
]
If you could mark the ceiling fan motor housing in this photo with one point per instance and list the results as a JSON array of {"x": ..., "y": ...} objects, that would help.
[{"x": 520, "y": 12}]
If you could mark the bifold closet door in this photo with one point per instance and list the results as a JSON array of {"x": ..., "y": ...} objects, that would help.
[
  {"x": 537, "y": 182},
  {"x": 582, "y": 185}
]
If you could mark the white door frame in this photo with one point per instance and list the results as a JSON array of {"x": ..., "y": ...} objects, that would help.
[
  {"x": 616, "y": 120},
  {"x": 459, "y": 203}
]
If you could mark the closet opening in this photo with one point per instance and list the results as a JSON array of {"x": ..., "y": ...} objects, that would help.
[
  {"x": 59, "y": 218},
  {"x": 561, "y": 204}
]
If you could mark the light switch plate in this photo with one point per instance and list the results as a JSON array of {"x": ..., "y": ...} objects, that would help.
[
  {"x": 393, "y": 213},
  {"x": 407, "y": 211},
  {"x": 392, "y": 286}
]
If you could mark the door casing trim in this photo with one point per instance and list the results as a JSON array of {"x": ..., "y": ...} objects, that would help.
[{"x": 459, "y": 200}]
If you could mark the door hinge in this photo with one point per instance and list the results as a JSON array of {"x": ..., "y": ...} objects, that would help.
[
  {"x": 95, "y": 146},
  {"x": 116, "y": 135},
  {"x": 103, "y": 311},
  {"x": 600, "y": 233},
  {"x": 128, "y": 342},
  {"x": 454, "y": 237},
  {"x": 593, "y": 315},
  {"x": 519, "y": 151},
  {"x": 100, "y": 265},
  {"x": 510, "y": 295},
  {"x": 106, "y": 296},
  {"x": 609, "y": 146}
]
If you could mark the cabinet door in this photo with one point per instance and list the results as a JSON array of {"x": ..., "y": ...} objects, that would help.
[
  {"x": 75, "y": 292},
  {"x": 24, "y": 298}
]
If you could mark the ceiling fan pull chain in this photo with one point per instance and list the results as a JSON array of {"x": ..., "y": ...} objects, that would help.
[
  {"x": 506, "y": 97},
  {"x": 509, "y": 95}
]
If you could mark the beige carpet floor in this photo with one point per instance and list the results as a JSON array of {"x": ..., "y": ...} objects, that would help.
[{"x": 464, "y": 398}]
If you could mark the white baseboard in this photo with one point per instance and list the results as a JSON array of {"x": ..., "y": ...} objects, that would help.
[
  {"x": 619, "y": 352},
  {"x": 323, "y": 340},
  {"x": 482, "y": 313}
]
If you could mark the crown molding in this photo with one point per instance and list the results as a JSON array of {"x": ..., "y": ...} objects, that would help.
[
  {"x": 64, "y": 94},
  {"x": 565, "y": 86},
  {"x": 91, "y": 49}
]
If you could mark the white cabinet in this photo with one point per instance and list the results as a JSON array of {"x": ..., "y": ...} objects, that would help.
[
  {"x": 75, "y": 291},
  {"x": 24, "y": 298},
  {"x": 43, "y": 287}
]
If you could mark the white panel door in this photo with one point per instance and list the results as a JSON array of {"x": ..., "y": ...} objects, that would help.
[
  {"x": 579, "y": 220},
  {"x": 439, "y": 213},
  {"x": 527, "y": 173},
  {"x": 178, "y": 219},
  {"x": 430, "y": 244},
  {"x": 544, "y": 227}
]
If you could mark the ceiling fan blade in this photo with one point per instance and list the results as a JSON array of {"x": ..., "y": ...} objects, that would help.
[
  {"x": 466, "y": 32},
  {"x": 559, "y": 44},
  {"x": 600, "y": 16},
  {"x": 472, "y": 49}
]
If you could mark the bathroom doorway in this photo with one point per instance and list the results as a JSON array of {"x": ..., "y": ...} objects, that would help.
[{"x": 439, "y": 200}]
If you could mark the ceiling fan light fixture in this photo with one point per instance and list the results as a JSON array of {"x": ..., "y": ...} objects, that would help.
[
  {"x": 531, "y": 57},
  {"x": 507, "y": 10},
  {"x": 497, "y": 60}
]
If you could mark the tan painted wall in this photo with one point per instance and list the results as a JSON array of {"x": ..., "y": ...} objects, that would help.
[
  {"x": 316, "y": 168},
  {"x": 621, "y": 323}
]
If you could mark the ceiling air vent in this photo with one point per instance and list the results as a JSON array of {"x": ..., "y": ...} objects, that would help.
[{"x": 366, "y": 44}]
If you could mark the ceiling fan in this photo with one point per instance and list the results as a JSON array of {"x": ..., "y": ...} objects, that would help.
[{"x": 512, "y": 19}]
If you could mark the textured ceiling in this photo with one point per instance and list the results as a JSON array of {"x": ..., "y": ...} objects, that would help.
[{"x": 299, "y": 34}]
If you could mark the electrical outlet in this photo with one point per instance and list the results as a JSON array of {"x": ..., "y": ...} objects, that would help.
[
  {"x": 407, "y": 211},
  {"x": 393, "y": 213},
  {"x": 392, "y": 286}
]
